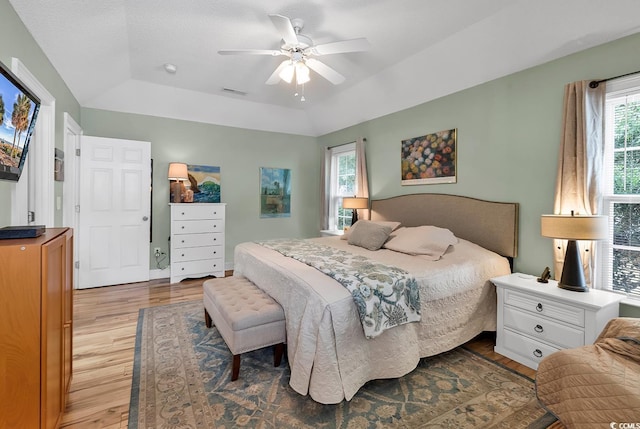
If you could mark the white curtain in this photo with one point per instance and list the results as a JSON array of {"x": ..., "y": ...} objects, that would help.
[
  {"x": 324, "y": 189},
  {"x": 580, "y": 164},
  {"x": 362, "y": 181}
]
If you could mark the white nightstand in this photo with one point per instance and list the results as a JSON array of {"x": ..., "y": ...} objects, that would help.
[
  {"x": 330, "y": 232},
  {"x": 536, "y": 319}
]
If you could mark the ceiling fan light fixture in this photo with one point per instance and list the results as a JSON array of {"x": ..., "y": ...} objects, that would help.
[
  {"x": 287, "y": 73},
  {"x": 302, "y": 73}
]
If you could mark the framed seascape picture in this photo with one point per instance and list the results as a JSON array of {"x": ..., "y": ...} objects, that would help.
[
  {"x": 429, "y": 159},
  {"x": 275, "y": 192},
  {"x": 205, "y": 183}
]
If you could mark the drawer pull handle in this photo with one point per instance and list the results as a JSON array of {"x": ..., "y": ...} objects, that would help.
[
  {"x": 537, "y": 353},
  {"x": 214, "y": 252},
  {"x": 539, "y": 307},
  {"x": 182, "y": 241},
  {"x": 182, "y": 226},
  {"x": 182, "y": 269},
  {"x": 183, "y": 257},
  {"x": 538, "y": 329},
  {"x": 182, "y": 213}
]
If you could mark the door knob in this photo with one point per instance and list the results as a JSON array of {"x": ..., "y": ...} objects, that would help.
[{"x": 145, "y": 218}]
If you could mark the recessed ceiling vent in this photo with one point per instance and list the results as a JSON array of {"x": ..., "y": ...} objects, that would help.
[{"x": 233, "y": 91}]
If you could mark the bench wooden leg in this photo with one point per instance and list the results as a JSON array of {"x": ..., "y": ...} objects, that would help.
[
  {"x": 235, "y": 371},
  {"x": 207, "y": 319},
  {"x": 278, "y": 351}
]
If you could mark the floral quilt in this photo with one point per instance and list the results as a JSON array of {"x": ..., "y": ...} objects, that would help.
[{"x": 385, "y": 296}]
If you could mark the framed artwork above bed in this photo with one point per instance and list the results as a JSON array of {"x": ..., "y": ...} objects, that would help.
[{"x": 429, "y": 159}]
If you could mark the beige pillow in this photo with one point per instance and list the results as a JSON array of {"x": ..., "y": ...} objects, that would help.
[
  {"x": 393, "y": 225},
  {"x": 369, "y": 235},
  {"x": 429, "y": 241}
]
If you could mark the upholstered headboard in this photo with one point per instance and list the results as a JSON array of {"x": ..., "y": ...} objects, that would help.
[{"x": 492, "y": 225}]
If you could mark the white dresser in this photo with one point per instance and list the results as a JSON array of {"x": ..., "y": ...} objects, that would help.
[
  {"x": 197, "y": 240},
  {"x": 536, "y": 319}
]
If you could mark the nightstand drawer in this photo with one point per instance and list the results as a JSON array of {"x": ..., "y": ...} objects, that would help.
[
  {"x": 197, "y": 226},
  {"x": 196, "y": 240},
  {"x": 527, "y": 347},
  {"x": 196, "y": 253},
  {"x": 543, "y": 328},
  {"x": 189, "y": 212},
  {"x": 186, "y": 269},
  {"x": 546, "y": 307}
]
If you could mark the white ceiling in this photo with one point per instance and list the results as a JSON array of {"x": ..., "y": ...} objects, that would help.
[{"x": 111, "y": 53}]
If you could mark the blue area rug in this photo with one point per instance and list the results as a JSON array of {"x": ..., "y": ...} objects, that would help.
[{"x": 181, "y": 379}]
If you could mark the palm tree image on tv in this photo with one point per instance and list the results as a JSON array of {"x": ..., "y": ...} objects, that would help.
[
  {"x": 13, "y": 126},
  {"x": 20, "y": 119}
]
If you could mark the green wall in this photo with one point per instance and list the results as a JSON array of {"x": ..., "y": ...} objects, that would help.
[
  {"x": 239, "y": 153},
  {"x": 17, "y": 42},
  {"x": 508, "y": 131},
  {"x": 508, "y": 138}
]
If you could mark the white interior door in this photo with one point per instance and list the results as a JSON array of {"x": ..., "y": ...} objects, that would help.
[{"x": 115, "y": 185}]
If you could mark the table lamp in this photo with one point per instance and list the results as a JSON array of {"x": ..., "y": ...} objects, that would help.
[
  {"x": 574, "y": 227},
  {"x": 355, "y": 203},
  {"x": 177, "y": 174}
]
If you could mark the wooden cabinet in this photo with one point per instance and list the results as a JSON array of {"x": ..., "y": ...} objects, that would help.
[
  {"x": 197, "y": 240},
  {"x": 536, "y": 319},
  {"x": 36, "y": 324}
]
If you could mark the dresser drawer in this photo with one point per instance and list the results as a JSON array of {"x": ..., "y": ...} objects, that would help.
[
  {"x": 543, "y": 328},
  {"x": 196, "y": 253},
  {"x": 197, "y": 226},
  {"x": 189, "y": 212},
  {"x": 185, "y": 269},
  {"x": 527, "y": 347},
  {"x": 196, "y": 240},
  {"x": 546, "y": 307}
]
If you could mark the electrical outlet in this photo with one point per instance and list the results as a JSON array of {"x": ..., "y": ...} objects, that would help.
[{"x": 157, "y": 251}]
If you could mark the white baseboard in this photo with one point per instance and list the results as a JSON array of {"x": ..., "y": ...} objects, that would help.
[
  {"x": 166, "y": 272},
  {"x": 159, "y": 274}
]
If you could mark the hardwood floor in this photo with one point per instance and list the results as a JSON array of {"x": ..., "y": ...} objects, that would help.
[{"x": 105, "y": 321}]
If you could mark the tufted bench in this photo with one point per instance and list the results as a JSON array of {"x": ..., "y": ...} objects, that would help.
[{"x": 246, "y": 317}]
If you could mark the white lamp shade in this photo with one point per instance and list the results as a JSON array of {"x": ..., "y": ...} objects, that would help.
[
  {"x": 302, "y": 73},
  {"x": 567, "y": 227},
  {"x": 178, "y": 171},
  {"x": 287, "y": 73},
  {"x": 355, "y": 203}
]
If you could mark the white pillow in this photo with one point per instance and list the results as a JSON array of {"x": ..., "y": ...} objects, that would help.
[
  {"x": 429, "y": 241},
  {"x": 393, "y": 225},
  {"x": 369, "y": 235}
]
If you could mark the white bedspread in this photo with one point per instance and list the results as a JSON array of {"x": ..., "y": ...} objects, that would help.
[{"x": 329, "y": 356}]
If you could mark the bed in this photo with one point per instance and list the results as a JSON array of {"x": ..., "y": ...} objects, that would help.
[{"x": 329, "y": 356}]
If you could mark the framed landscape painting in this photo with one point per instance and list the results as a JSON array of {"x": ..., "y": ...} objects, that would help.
[
  {"x": 205, "y": 183},
  {"x": 275, "y": 192},
  {"x": 429, "y": 159}
]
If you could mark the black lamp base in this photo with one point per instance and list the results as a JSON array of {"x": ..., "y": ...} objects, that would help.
[
  {"x": 354, "y": 217},
  {"x": 572, "y": 271}
]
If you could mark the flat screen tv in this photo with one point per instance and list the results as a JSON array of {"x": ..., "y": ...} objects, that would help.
[{"x": 18, "y": 112}]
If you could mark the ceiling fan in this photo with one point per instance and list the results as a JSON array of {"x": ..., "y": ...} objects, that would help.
[{"x": 301, "y": 52}]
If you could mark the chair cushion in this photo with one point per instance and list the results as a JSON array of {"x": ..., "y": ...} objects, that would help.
[{"x": 241, "y": 303}]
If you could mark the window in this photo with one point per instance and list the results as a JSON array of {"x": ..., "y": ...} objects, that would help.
[
  {"x": 342, "y": 177},
  {"x": 620, "y": 258}
]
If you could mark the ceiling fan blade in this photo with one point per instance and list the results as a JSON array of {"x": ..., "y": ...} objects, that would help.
[
  {"x": 285, "y": 28},
  {"x": 271, "y": 52},
  {"x": 275, "y": 76},
  {"x": 325, "y": 71},
  {"x": 353, "y": 45}
]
